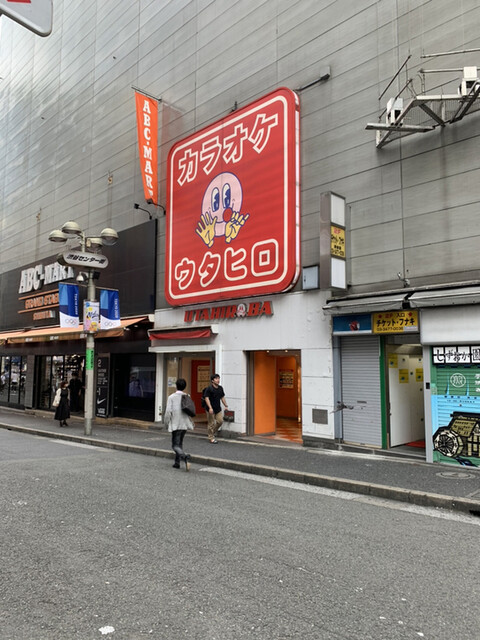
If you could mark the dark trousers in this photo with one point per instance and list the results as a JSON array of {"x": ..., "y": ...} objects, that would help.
[{"x": 177, "y": 445}]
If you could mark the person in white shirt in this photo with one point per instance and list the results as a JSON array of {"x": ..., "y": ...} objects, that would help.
[{"x": 178, "y": 423}]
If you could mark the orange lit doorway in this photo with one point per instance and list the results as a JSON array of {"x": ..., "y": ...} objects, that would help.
[{"x": 275, "y": 392}]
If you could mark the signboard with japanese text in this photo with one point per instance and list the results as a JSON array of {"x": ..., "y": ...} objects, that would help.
[
  {"x": 233, "y": 205},
  {"x": 85, "y": 259},
  {"x": 337, "y": 241},
  {"x": 464, "y": 354},
  {"x": 395, "y": 321},
  {"x": 333, "y": 264}
]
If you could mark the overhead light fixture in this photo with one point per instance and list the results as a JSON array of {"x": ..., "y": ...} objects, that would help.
[
  {"x": 57, "y": 236},
  {"x": 109, "y": 236},
  {"x": 72, "y": 228},
  {"x": 94, "y": 243}
]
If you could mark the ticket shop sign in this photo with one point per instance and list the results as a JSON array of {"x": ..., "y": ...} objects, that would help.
[
  {"x": 233, "y": 205},
  {"x": 395, "y": 322}
]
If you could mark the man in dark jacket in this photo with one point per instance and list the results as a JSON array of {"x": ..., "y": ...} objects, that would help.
[{"x": 214, "y": 398}]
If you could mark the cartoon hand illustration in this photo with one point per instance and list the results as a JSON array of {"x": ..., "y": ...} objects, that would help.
[
  {"x": 234, "y": 224},
  {"x": 206, "y": 231}
]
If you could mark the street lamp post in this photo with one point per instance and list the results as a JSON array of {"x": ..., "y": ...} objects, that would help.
[{"x": 89, "y": 245}]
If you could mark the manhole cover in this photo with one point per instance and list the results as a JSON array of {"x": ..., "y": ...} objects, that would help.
[{"x": 457, "y": 475}]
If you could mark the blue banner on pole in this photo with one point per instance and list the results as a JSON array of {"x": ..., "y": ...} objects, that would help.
[
  {"x": 109, "y": 309},
  {"x": 68, "y": 305}
]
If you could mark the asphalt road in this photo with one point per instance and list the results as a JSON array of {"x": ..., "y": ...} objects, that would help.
[{"x": 99, "y": 543}]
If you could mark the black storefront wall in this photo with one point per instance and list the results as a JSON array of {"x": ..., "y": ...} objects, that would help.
[
  {"x": 131, "y": 270},
  {"x": 29, "y": 295},
  {"x": 131, "y": 369}
]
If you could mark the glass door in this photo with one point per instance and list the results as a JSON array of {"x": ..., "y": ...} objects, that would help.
[
  {"x": 13, "y": 371},
  {"x": 196, "y": 369},
  {"x": 15, "y": 375},
  {"x": 4, "y": 378}
]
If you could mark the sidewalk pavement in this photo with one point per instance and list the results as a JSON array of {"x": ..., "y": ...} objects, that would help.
[{"x": 404, "y": 479}]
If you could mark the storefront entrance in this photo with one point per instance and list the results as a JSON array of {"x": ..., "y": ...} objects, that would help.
[
  {"x": 405, "y": 394},
  {"x": 382, "y": 397},
  {"x": 13, "y": 372},
  {"x": 134, "y": 386},
  {"x": 49, "y": 374},
  {"x": 275, "y": 389},
  {"x": 196, "y": 369}
]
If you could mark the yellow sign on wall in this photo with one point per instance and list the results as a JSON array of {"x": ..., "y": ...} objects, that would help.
[
  {"x": 395, "y": 321},
  {"x": 337, "y": 241}
]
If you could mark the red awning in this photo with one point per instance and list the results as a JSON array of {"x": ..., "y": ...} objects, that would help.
[
  {"x": 47, "y": 334},
  {"x": 180, "y": 334}
]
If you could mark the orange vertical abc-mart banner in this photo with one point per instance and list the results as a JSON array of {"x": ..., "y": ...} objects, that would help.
[{"x": 147, "y": 127}]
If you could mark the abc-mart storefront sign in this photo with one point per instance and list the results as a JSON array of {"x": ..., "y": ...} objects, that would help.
[{"x": 233, "y": 205}]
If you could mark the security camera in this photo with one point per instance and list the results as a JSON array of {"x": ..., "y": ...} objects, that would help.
[{"x": 82, "y": 277}]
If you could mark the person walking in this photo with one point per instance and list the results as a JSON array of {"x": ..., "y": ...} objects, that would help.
[
  {"x": 214, "y": 398},
  {"x": 62, "y": 412},
  {"x": 178, "y": 423},
  {"x": 75, "y": 387}
]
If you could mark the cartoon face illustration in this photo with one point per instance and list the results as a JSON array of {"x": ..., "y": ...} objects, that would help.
[
  {"x": 221, "y": 206},
  {"x": 222, "y": 197}
]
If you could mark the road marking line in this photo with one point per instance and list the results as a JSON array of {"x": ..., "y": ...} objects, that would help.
[
  {"x": 347, "y": 495},
  {"x": 80, "y": 444},
  {"x": 366, "y": 456}
]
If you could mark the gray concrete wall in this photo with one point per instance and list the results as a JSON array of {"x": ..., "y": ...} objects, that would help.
[{"x": 68, "y": 146}]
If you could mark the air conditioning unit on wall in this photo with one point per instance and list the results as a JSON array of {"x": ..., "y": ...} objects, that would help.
[
  {"x": 394, "y": 109},
  {"x": 469, "y": 80}
]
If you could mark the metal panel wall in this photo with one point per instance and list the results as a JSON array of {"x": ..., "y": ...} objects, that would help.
[
  {"x": 68, "y": 146},
  {"x": 362, "y": 416}
]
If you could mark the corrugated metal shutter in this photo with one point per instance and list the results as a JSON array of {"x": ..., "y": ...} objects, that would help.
[{"x": 360, "y": 360}]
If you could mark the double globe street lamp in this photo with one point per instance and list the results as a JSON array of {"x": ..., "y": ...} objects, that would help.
[{"x": 89, "y": 259}]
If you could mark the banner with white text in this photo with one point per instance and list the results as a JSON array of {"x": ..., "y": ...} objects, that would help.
[
  {"x": 68, "y": 305},
  {"x": 109, "y": 309},
  {"x": 147, "y": 127}
]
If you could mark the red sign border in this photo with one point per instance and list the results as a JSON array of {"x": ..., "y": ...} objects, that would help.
[{"x": 292, "y": 193}]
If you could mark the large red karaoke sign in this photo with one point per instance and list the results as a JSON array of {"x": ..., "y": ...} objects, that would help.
[{"x": 233, "y": 205}]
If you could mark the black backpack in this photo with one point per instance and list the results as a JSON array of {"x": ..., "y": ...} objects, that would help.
[
  {"x": 187, "y": 405},
  {"x": 204, "y": 402}
]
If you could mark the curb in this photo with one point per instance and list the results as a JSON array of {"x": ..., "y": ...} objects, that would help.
[{"x": 417, "y": 498}]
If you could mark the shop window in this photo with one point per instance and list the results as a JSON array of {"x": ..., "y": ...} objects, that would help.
[
  {"x": 13, "y": 371},
  {"x": 141, "y": 382},
  {"x": 4, "y": 378}
]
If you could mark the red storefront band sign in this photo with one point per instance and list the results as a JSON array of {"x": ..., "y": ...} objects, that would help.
[
  {"x": 233, "y": 205},
  {"x": 230, "y": 311},
  {"x": 147, "y": 128}
]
